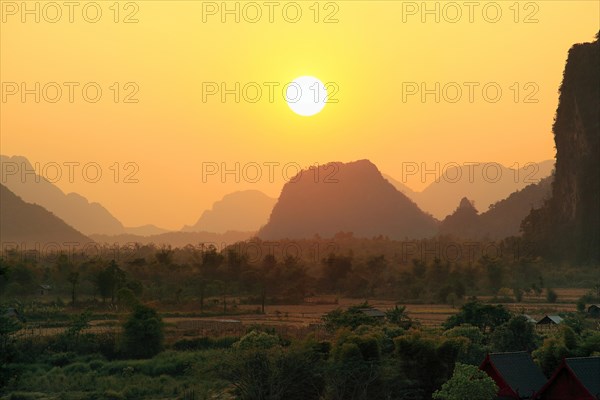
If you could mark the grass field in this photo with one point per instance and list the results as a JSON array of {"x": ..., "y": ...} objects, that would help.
[{"x": 301, "y": 319}]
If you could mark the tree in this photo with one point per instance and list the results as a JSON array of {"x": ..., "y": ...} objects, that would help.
[
  {"x": 555, "y": 348},
  {"x": 518, "y": 334},
  {"x": 143, "y": 334},
  {"x": 257, "y": 340},
  {"x": 467, "y": 382},
  {"x": 551, "y": 296},
  {"x": 484, "y": 316},
  {"x": 474, "y": 348},
  {"x": 164, "y": 256},
  {"x": 351, "y": 318},
  {"x": 398, "y": 316},
  {"x": 334, "y": 271},
  {"x": 269, "y": 265},
  {"x": 126, "y": 298},
  {"x": 109, "y": 280},
  {"x": 73, "y": 280},
  {"x": 9, "y": 326},
  {"x": 425, "y": 360},
  {"x": 580, "y": 305},
  {"x": 355, "y": 367},
  {"x": 277, "y": 374}
]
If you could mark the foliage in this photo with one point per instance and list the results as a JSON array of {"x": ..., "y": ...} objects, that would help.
[
  {"x": 474, "y": 348},
  {"x": 278, "y": 374},
  {"x": 204, "y": 343},
  {"x": 518, "y": 334},
  {"x": 551, "y": 296},
  {"x": 143, "y": 333},
  {"x": 351, "y": 318},
  {"x": 484, "y": 316},
  {"x": 9, "y": 326},
  {"x": 398, "y": 316},
  {"x": 355, "y": 368},
  {"x": 467, "y": 382},
  {"x": 257, "y": 340},
  {"x": 425, "y": 360}
]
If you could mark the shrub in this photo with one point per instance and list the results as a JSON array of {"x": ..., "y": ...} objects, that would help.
[
  {"x": 204, "y": 343},
  {"x": 61, "y": 359},
  {"x": 77, "y": 367},
  {"x": 143, "y": 334},
  {"x": 551, "y": 296},
  {"x": 580, "y": 305},
  {"x": 257, "y": 340},
  {"x": 112, "y": 395},
  {"x": 96, "y": 364},
  {"x": 467, "y": 382}
]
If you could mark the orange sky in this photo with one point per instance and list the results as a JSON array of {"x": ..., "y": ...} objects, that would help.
[{"x": 374, "y": 53}]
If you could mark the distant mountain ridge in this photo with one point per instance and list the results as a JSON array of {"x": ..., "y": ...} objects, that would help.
[
  {"x": 31, "y": 224},
  {"x": 87, "y": 217},
  {"x": 484, "y": 189},
  {"x": 349, "y": 197},
  {"x": 245, "y": 210},
  {"x": 73, "y": 208},
  {"x": 502, "y": 219}
]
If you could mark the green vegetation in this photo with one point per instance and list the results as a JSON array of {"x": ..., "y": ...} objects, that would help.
[
  {"x": 143, "y": 333},
  {"x": 362, "y": 358},
  {"x": 94, "y": 329},
  {"x": 467, "y": 382}
]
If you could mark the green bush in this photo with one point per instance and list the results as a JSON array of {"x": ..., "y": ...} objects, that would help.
[
  {"x": 204, "y": 343},
  {"x": 112, "y": 395},
  {"x": 96, "y": 364},
  {"x": 77, "y": 367},
  {"x": 551, "y": 296},
  {"x": 61, "y": 359},
  {"x": 257, "y": 340},
  {"x": 143, "y": 334}
]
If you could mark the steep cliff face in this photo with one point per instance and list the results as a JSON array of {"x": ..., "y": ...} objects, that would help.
[{"x": 567, "y": 227}]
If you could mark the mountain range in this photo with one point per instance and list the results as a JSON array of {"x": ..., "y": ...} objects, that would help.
[
  {"x": 246, "y": 210},
  {"x": 87, "y": 217},
  {"x": 482, "y": 188},
  {"x": 502, "y": 219},
  {"x": 356, "y": 198}
]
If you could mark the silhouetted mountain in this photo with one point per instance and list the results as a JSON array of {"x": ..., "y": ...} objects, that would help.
[
  {"x": 30, "y": 224},
  {"x": 178, "y": 239},
  {"x": 352, "y": 197},
  {"x": 73, "y": 208},
  {"x": 503, "y": 218},
  {"x": 567, "y": 227},
  {"x": 483, "y": 188},
  {"x": 463, "y": 222},
  {"x": 246, "y": 210},
  {"x": 401, "y": 187}
]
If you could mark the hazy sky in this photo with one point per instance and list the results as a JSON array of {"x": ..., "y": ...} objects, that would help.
[{"x": 378, "y": 56}]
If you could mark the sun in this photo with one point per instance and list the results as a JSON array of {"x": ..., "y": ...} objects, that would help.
[{"x": 306, "y": 95}]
